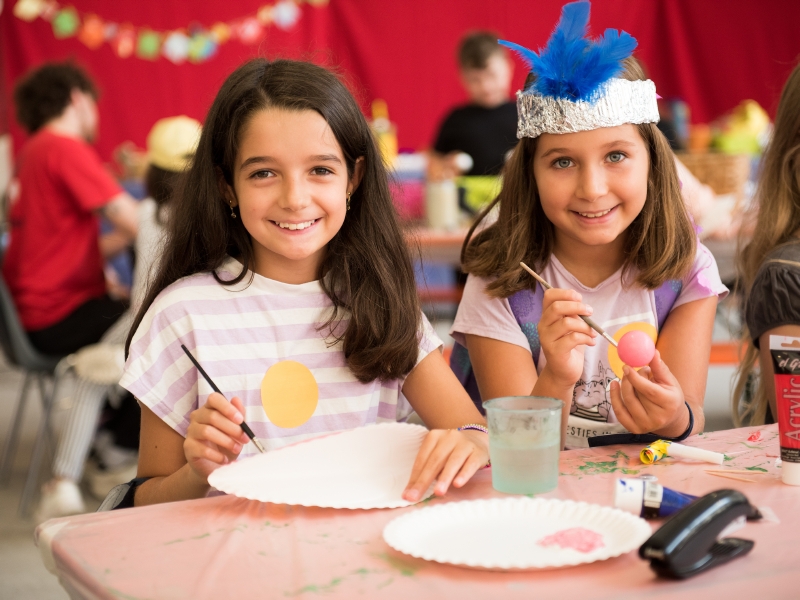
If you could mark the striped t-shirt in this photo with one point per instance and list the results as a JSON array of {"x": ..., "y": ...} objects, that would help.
[{"x": 236, "y": 333}]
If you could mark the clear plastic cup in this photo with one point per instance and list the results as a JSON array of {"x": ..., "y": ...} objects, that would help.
[{"x": 524, "y": 443}]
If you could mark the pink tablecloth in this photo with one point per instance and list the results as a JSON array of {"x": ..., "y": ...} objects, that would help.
[{"x": 226, "y": 547}]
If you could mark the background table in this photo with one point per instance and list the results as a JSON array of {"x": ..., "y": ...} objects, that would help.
[
  {"x": 435, "y": 245},
  {"x": 226, "y": 547}
]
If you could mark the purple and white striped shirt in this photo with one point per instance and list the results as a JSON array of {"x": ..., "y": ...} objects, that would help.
[{"x": 236, "y": 333}]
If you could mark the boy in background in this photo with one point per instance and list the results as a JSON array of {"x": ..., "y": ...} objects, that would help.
[{"x": 486, "y": 127}]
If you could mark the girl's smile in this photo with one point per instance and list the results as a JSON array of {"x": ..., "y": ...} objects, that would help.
[
  {"x": 598, "y": 217},
  {"x": 291, "y": 185},
  {"x": 292, "y": 226}
]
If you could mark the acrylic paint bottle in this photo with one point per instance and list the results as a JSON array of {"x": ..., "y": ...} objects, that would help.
[
  {"x": 648, "y": 499},
  {"x": 786, "y": 363}
]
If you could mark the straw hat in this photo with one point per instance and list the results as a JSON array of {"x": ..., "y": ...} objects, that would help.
[{"x": 171, "y": 142}]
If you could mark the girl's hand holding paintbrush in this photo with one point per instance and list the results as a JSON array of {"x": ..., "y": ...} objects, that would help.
[
  {"x": 215, "y": 436},
  {"x": 563, "y": 334}
]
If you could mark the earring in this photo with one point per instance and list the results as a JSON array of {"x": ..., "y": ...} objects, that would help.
[
  {"x": 348, "y": 200},
  {"x": 233, "y": 214}
]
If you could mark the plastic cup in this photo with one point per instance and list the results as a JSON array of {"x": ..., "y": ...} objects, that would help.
[{"x": 524, "y": 443}]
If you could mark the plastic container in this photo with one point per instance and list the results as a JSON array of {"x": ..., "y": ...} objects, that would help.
[{"x": 441, "y": 205}]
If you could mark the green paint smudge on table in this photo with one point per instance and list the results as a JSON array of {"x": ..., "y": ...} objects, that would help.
[
  {"x": 406, "y": 569},
  {"x": 753, "y": 447},
  {"x": 609, "y": 466},
  {"x": 273, "y": 525},
  {"x": 760, "y": 469},
  {"x": 385, "y": 583},
  {"x": 332, "y": 584},
  {"x": 620, "y": 454},
  {"x": 317, "y": 588}
]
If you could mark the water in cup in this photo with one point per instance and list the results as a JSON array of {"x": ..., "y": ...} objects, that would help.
[
  {"x": 524, "y": 470},
  {"x": 524, "y": 443}
]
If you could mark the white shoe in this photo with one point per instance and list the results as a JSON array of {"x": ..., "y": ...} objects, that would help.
[{"x": 60, "y": 498}]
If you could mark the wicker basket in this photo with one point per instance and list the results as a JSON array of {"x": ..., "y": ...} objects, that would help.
[{"x": 723, "y": 173}]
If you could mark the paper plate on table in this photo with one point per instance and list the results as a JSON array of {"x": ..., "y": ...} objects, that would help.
[
  {"x": 516, "y": 533},
  {"x": 368, "y": 467}
]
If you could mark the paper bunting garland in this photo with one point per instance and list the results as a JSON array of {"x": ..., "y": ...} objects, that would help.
[
  {"x": 194, "y": 43},
  {"x": 124, "y": 41},
  {"x": 148, "y": 44},
  {"x": 285, "y": 14},
  {"x": 28, "y": 10},
  {"x": 93, "y": 32},
  {"x": 65, "y": 23}
]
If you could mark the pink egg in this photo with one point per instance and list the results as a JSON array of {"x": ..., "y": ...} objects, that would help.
[{"x": 636, "y": 349}]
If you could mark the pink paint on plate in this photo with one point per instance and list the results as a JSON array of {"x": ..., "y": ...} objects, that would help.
[{"x": 577, "y": 538}]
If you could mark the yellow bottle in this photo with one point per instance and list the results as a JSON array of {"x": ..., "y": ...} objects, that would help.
[{"x": 385, "y": 131}]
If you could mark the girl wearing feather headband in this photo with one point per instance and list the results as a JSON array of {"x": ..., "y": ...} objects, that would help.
[{"x": 591, "y": 200}]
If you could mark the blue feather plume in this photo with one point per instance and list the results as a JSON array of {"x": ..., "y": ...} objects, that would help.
[{"x": 572, "y": 65}]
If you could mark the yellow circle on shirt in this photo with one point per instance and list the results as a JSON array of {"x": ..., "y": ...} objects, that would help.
[
  {"x": 614, "y": 361},
  {"x": 289, "y": 394}
]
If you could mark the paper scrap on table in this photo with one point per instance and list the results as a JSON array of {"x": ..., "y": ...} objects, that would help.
[{"x": 661, "y": 448}]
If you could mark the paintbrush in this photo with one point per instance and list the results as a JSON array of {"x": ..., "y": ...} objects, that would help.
[
  {"x": 588, "y": 321},
  {"x": 245, "y": 427},
  {"x": 736, "y": 477}
]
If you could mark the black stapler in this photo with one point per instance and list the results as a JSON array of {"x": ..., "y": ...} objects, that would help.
[{"x": 687, "y": 543}]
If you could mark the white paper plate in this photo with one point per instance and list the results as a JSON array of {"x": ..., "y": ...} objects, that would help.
[
  {"x": 368, "y": 467},
  {"x": 516, "y": 533}
]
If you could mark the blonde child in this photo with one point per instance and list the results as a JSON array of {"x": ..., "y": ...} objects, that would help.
[
  {"x": 770, "y": 262},
  {"x": 591, "y": 201},
  {"x": 284, "y": 245}
]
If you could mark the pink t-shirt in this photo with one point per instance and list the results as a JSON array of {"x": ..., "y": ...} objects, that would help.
[{"x": 615, "y": 306}]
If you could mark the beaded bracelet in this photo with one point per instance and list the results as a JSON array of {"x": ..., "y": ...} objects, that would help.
[
  {"x": 474, "y": 426},
  {"x": 477, "y": 427}
]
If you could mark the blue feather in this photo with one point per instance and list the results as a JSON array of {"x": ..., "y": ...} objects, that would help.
[
  {"x": 572, "y": 65},
  {"x": 527, "y": 55},
  {"x": 602, "y": 62},
  {"x": 563, "y": 53},
  {"x": 574, "y": 20}
]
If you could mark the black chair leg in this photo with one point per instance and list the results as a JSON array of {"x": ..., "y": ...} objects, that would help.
[
  {"x": 31, "y": 483},
  {"x": 10, "y": 447}
]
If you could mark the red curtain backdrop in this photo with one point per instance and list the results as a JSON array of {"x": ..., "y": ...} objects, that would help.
[{"x": 711, "y": 53}]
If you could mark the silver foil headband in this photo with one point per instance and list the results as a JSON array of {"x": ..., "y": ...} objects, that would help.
[{"x": 616, "y": 102}]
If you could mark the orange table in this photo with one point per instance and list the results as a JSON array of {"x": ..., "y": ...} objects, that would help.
[{"x": 226, "y": 547}]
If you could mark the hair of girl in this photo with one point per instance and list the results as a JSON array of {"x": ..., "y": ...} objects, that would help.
[
  {"x": 778, "y": 195},
  {"x": 366, "y": 270},
  {"x": 660, "y": 243}
]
